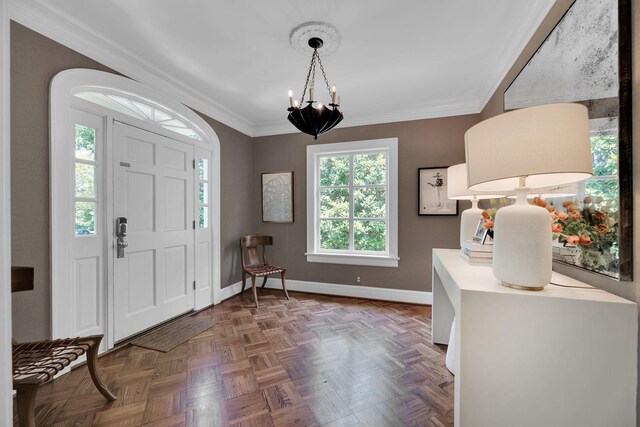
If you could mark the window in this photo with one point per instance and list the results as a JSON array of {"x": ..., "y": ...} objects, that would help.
[
  {"x": 604, "y": 150},
  {"x": 203, "y": 193},
  {"x": 352, "y": 203},
  {"x": 141, "y": 109},
  {"x": 86, "y": 198}
]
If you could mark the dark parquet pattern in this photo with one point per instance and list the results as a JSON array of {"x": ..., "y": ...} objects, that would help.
[{"x": 311, "y": 361}]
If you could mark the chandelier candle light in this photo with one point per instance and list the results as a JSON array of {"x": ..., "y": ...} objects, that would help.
[
  {"x": 533, "y": 147},
  {"x": 457, "y": 190},
  {"x": 309, "y": 119}
]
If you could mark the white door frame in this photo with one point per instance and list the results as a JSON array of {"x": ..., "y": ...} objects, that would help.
[
  {"x": 6, "y": 400},
  {"x": 63, "y": 102}
]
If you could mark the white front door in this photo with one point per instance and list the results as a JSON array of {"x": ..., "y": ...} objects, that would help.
[{"x": 153, "y": 190}]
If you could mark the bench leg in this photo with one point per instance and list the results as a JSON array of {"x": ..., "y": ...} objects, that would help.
[
  {"x": 92, "y": 362},
  {"x": 26, "y": 399},
  {"x": 264, "y": 282}
]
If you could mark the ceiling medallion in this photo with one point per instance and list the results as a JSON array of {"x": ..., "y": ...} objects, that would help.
[{"x": 309, "y": 119}]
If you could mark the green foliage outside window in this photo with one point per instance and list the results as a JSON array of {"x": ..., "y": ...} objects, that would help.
[
  {"x": 368, "y": 212},
  {"x": 85, "y": 180},
  {"x": 604, "y": 149}
]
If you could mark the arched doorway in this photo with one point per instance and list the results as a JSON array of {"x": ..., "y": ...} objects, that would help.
[{"x": 123, "y": 152}]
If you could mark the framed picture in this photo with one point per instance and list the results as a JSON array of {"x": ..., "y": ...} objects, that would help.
[
  {"x": 432, "y": 193},
  {"x": 480, "y": 236},
  {"x": 277, "y": 197}
]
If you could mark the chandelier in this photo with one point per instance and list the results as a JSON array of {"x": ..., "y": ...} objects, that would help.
[{"x": 314, "y": 120}]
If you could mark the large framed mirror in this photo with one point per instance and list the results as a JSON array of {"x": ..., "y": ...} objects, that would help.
[{"x": 586, "y": 58}]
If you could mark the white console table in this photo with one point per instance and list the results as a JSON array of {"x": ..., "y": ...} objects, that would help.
[{"x": 556, "y": 357}]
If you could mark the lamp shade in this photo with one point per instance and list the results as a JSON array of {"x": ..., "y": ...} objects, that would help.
[
  {"x": 566, "y": 190},
  {"x": 457, "y": 185},
  {"x": 547, "y": 144}
]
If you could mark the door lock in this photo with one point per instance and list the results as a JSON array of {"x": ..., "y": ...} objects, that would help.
[{"x": 121, "y": 233}]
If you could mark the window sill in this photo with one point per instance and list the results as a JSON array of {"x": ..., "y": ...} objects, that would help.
[{"x": 350, "y": 259}]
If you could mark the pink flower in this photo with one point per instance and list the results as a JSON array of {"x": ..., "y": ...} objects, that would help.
[
  {"x": 539, "y": 202},
  {"x": 567, "y": 203},
  {"x": 554, "y": 216},
  {"x": 562, "y": 216},
  {"x": 575, "y": 215},
  {"x": 551, "y": 208},
  {"x": 488, "y": 224},
  {"x": 601, "y": 229},
  {"x": 585, "y": 240},
  {"x": 587, "y": 200},
  {"x": 599, "y": 216},
  {"x": 485, "y": 215},
  {"x": 573, "y": 239},
  {"x": 556, "y": 228}
]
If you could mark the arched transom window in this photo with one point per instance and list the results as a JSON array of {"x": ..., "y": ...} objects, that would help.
[{"x": 141, "y": 109}]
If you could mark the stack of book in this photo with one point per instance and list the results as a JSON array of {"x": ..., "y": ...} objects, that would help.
[
  {"x": 476, "y": 253},
  {"x": 564, "y": 253}
]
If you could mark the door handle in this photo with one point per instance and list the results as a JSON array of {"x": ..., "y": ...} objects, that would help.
[{"x": 120, "y": 245}]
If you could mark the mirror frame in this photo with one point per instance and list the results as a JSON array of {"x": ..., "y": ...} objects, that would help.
[{"x": 625, "y": 136}]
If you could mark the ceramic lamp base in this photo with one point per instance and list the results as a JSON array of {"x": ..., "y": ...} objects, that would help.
[
  {"x": 522, "y": 245},
  {"x": 469, "y": 221}
]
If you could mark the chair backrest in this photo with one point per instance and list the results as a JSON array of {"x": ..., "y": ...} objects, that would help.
[{"x": 250, "y": 244}]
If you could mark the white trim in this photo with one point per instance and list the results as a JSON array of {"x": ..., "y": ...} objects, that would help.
[
  {"x": 366, "y": 292},
  {"x": 46, "y": 19},
  {"x": 351, "y": 259},
  {"x": 537, "y": 11},
  {"x": 63, "y": 86},
  {"x": 6, "y": 401},
  {"x": 314, "y": 152}
]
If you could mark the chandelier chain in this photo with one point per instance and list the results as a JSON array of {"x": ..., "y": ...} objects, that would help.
[
  {"x": 311, "y": 76},
  {"x": 326, "y": 81},
  {"x": 306, "y": 82}
]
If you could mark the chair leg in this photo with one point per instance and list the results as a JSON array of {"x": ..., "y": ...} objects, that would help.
[
  {"x": 284, "y": 287},
  {"x": 92, "y": 361},
  {"x": 26, "y": 399},
  {"x": 264, "y": 282},
  {"x": 255, "y": 293},
  {"x": 244, "y": 281}
]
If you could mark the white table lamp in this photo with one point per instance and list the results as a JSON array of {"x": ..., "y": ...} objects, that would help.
[
  {"x": 535, "y": 147},
  {"x": 457, "y": 190}
]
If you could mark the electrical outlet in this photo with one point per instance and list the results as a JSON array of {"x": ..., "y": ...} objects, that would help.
[{"x": 358, "y": 281}]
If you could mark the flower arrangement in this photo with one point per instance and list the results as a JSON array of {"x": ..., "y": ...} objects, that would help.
[
  {"x": 489, "y": 215},
  {"x": 590, "y": 225}
]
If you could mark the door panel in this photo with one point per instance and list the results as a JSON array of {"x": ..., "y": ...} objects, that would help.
[{"x": 152, "y": 283}]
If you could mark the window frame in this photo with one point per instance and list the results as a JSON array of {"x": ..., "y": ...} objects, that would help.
[{"x": 352, "y": 257}]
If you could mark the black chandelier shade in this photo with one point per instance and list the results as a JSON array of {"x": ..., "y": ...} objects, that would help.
[
  {"x": 309, "y": 119},
  {"x": 314, "y": 121}
]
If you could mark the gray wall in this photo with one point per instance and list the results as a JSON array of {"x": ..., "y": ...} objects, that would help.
[
  {"x": 35, "y": 59},
  {"x": 421, "y": 143}
]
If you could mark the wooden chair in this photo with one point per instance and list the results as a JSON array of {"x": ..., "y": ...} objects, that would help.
[
  {"x": 255, "y": 267},
  {"x": 35, "y": 363}
]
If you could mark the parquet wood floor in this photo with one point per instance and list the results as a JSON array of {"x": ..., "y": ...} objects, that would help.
[{"x": 314, "y": 360}]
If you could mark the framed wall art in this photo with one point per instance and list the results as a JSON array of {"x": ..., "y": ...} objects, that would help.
[
  {"x": 432, "y": 193},
  {"x": 277, "y": 197}
]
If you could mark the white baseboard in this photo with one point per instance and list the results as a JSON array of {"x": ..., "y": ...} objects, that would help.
[{"x": 367, "y": 292}]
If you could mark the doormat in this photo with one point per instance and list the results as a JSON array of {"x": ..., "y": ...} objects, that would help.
[{"x": 170, "y": 336}]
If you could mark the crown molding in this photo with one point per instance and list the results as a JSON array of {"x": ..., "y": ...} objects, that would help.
[
  {"x": 46, "y": 19},
  {"x": 512, "y": 50},
  {"x": 374, "y": 116},
  {"x": 58, "y": 26}
]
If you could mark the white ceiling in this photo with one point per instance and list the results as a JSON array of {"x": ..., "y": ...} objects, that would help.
[{"x": 399, "y": 60}]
